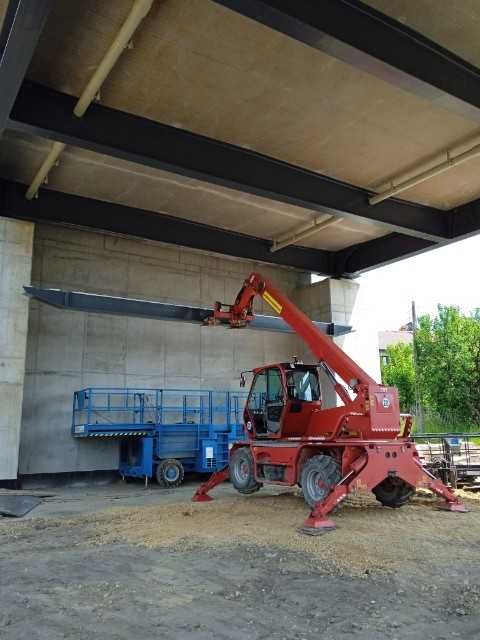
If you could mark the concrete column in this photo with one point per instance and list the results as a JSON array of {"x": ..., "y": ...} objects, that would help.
[
  {"x": 336, "y": 301},
  {"x": 16, "y": 241}
]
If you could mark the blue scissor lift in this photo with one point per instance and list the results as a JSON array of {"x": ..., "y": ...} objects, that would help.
[{"x": 163, "y": 432}]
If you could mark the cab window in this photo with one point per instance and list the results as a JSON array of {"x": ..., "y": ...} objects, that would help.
[
  {"x": 303, "y": 385},
  {"x": 275, "y": 387},
  {"x": 258, "y": 394}
]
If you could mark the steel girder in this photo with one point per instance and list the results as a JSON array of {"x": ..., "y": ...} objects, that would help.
[
  {"x": 23, "y": 23},
  {"x": 367, "y": 39},
  {"x": 379, "y": 252},
  {"x": 44, "y": 112},
  {"x": 62, "y": 208},
  {"x": 112, "y": 305}
]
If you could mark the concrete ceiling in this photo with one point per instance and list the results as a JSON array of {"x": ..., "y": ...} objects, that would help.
[
  {"x": 453, "y": 24},
  {"x": 96, "y": 176},
  {"x": 202, "y": 67}
]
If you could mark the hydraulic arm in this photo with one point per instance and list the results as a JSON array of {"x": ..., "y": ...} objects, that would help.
[{"x": 241, "y": 312}]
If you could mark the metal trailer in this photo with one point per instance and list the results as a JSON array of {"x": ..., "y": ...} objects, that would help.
[
  {"x": 452, "y": 457},
  {"x": 163, "y": 433}
]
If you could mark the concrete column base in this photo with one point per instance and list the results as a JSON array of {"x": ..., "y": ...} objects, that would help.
[{"x": 16, "y": 242}]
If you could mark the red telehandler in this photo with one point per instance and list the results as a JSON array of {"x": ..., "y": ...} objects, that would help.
[{"x": 291, "y": 439}]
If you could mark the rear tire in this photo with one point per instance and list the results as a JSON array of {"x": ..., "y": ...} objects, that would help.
[
  {"x": 170, "y": 473},
  {"x": 393, "y": 492},
  {"x": 242, "y": 472},
  {"x": 318, "y": 477}
]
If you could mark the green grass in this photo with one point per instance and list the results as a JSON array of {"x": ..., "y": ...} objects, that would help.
[{"x": 441, "y": 425}]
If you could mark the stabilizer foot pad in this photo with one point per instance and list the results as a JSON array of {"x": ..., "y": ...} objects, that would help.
[
  {"x": 458, "y": 507},
  {"x": 315, "y": 526},
  {"x": 202, "y": 497},
  {"x": 316, "y": 531}
]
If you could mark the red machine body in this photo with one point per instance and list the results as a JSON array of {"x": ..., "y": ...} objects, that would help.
[{"x": 292, "y": 439}]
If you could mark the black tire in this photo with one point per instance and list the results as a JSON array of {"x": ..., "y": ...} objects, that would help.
[
  {"x": 393, "y": 492},
  {"x": 242, "y": 473},
  {"x": 317, "y": 478},
  {"x": 170, "y": 473}
]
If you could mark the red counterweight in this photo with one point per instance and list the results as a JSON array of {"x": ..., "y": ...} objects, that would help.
[{"x": 291, "y": 439}]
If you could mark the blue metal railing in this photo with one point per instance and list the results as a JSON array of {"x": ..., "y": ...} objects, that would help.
[{"x": 110, "y": 410}]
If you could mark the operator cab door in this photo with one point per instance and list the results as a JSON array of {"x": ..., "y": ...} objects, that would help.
[
  {"x": 275, "y": 400},
  {"x": 266, "y": 401},
  {"x": 303, "y": 399}
]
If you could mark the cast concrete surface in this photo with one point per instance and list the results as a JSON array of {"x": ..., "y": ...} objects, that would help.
[
  {"x": 71, "y": 571},
  {"x": 68, "y": 350},
  {"x": 16, "y": 240}
]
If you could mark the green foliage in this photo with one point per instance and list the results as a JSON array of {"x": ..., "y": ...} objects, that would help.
[
  {"x": 447, "y": 351},
  {"x": 448, "y": 364},
  {"x": 434, "y": 422},
  {"x": 399, "y": 372}
]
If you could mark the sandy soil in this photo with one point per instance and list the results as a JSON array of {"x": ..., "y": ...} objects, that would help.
[
  {"x": 237, "y": 567},
  {"x": 368, "y": 537}
]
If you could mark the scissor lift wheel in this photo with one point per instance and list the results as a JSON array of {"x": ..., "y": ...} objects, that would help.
[{"x": 170, "y": 473}]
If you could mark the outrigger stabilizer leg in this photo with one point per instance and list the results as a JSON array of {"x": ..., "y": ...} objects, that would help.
[
  {"x": 366, "y": 474},
  {"x": 201, "y": 494}
]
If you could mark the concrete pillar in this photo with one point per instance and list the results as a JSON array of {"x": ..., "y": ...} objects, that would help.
[
  {"x": 16, "y": 241},
  {"x": 335, "y": 301}
]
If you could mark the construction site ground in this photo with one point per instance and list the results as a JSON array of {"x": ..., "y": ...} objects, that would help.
[{"x": 120, "y": 561}]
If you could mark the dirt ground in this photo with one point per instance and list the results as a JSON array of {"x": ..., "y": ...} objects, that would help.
[{"x": 121, "y": 562}]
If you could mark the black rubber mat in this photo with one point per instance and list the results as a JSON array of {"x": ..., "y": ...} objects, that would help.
[{"x": 17, "y": 506}]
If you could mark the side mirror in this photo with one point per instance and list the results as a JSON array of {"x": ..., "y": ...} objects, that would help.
[{"x": 242, "y": 380}]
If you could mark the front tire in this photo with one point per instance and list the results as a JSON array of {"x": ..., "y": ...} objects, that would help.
[
  {"x": 318, "y": 477},
  {"x": 242, "y": 471},
  {"x": 170, "y": 473},
  {"x": 393, "y": 492}
]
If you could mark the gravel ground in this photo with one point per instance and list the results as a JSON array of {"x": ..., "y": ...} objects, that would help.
[{"x": 237, "y": 568}]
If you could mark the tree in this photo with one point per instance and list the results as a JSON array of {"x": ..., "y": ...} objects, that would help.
[
  {"x": 398, "y": 371},
  {"x": 448, "y": 363},
  {"x": 475, "y": 386},
  {"x": 447, "y": 350}
]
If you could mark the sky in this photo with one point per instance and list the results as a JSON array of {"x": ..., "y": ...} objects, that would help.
[{"x": 448, "y": 275}]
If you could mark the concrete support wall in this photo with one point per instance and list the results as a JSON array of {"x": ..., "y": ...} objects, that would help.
[
  {"x": 15, "y": 269},
  {"x": 70, "y": 350},
  {"x": 329, "y": 300}
]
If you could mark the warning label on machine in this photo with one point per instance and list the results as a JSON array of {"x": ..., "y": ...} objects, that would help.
[{"x": 276, "y": 306}]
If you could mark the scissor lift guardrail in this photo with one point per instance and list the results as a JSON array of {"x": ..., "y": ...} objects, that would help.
[{"x": 106, "y": 412}]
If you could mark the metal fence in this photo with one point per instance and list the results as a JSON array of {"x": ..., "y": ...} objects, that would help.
[
  {"x": 426, "y": 420},
  {"x": 453, "y": 457}
]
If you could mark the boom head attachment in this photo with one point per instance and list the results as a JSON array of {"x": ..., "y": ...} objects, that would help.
[
  {"x": 240, "y": 313},
  {"x": 224, "y": 314}
]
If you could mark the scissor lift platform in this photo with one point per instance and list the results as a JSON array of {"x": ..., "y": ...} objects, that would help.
[{"x": 192, "y": 429}]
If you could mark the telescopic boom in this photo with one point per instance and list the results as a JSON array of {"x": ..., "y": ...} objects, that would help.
[{"x": 241, "y": 313}]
